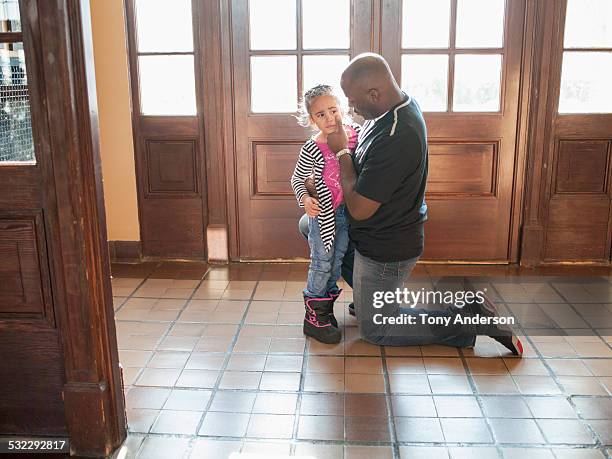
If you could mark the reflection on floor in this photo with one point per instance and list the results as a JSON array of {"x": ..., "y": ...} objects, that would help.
[{"x": 215, "y": 363}]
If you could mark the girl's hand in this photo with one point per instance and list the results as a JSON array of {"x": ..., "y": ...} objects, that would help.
[{"x": 311, "y": 205}]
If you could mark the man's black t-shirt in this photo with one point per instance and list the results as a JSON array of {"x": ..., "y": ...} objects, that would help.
[{"x": 391, "y": 165}]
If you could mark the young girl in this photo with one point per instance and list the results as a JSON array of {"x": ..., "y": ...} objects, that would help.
[{"x": 327, "y": 223}]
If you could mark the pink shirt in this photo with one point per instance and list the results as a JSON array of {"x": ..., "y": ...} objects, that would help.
[{"x": 331, "y": 169}]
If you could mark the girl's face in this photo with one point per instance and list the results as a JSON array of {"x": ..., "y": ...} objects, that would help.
[{"x": 324, "y": 110}]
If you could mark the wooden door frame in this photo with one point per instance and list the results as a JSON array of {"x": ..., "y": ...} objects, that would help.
[{"x": 58, "y": 38}]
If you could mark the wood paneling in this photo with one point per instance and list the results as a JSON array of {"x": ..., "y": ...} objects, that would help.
[
  {"x": 462, "y": 169},
  {"x": 582, "y": 166},
  {"x": 22, "y": 276},
  {"x": 171, "y": 167},
  {"x": 577, "y": 228},
  {"x": 273, "y": 163},
  {"x": 32, "y": 379}
]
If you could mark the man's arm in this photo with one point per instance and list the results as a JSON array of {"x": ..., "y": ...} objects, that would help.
[{"x": 360, "y": 207}]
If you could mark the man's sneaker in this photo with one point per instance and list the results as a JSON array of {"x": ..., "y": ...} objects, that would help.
[{"x": 501, "y": 333}]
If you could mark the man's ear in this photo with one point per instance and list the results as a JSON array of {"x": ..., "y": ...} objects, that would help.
[{"x": 374, "y": 95}]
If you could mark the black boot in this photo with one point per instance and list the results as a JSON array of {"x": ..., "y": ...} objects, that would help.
[
  {"x": 332, "y": 317},
  {"x": 317, "y": 322}
]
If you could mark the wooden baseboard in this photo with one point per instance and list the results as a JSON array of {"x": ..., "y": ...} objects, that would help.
[{"x": 125, "y": 251}]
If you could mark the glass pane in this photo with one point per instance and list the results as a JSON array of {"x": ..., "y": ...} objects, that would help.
[
  {"x": 274, "y": 84},
  {"x": 164, "y": 26},
  {"x": 425, "y": 24},
  {"x": 325, "y": 70},
  {"x": 588, "y": 24},
  {"x": 15, "y": 121},
  {"x": 585, "y": 83},
  {"x": 272, "y": 24},
  {"x": 167, "y": 85},
  {"x": 477, "y": 83},
  {"x": 10, "y": 20},
  {"x": 480, "y": 23},
  {"x": 425, "y": 77},
  {"x": 326, "y": 24}
]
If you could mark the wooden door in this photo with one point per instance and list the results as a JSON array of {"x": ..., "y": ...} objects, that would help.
[
  {"x": 578, "y": 142},
  {"x": 277, "y": 45},
  {"x": 59, "y": 370},
  {"x": 167, "y": 106},
  {"x": 462, "y": 62}
]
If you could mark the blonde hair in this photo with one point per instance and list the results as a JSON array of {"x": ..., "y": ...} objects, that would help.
[{"x": 303, "y": 115}]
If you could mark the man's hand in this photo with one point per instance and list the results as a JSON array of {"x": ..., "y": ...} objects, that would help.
[
  {"x": 311, "y": 205},
  {"x": 309, "y": 183},
  {"x": 338, "y": 140}
]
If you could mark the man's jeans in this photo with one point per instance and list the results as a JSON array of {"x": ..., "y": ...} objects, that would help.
[
  {"x": 371, "y": 276},
  {"x": 325, "y": 267},
  {"x": 349, "y": 256}
]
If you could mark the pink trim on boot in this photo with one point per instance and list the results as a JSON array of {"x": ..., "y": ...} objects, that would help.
[{"x": 311, "y": 316}]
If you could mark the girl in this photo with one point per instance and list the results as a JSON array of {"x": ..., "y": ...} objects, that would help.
[{"x": 328, "y": 227}]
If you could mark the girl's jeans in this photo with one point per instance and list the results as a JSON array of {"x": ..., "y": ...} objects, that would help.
[{"x": 325, "y": 267}]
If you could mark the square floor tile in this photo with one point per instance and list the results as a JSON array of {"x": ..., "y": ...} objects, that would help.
[
  {"x": 422, "y": 430},
  {"x": 186, "y": 399},
  {"x": 516, "y": 431},
  {"x": 231, "y": 401},
  {"x": 177, "y": 422},
  {"x": 413, "y": 406},
  {"x": 268, "y": 403},
  {"x": 224, "y": 424},
  {"x": 367, "y": 428},
  {"x": 270, "y": 426},
  {"x": 505, "y": 407},
  {"x": 204, "y": 379},
  {"x": 565, "y": 431},
  {"x": 465, "y": 430},
  {"x": 454, "y": 406},
  {"x": 322, "y": 404},
  {"x": 280, "y": 381}
]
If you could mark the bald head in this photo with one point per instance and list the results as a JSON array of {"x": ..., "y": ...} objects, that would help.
[
  {"x": 370, "y": 86},
  {"x": 368, "y": 67}
]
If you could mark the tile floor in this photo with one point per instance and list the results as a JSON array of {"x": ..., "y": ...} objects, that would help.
[{"x": 215, "y": 363}]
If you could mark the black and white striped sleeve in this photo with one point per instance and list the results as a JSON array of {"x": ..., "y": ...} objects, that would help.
[{"x": 302, "y": 171}]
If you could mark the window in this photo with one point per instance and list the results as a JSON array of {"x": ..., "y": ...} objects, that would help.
[
  {"x": 587, "y": 58},
  {"x": 16, "y": 144},
  {"x": 165, "y": 57},
  {"x": 452, "y": 54},
  {"x": 290, "y": 53}
]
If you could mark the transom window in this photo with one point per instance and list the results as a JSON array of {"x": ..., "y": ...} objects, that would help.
[
  {"x": 452, "y": 54},
  {"x": 16, "y": 144},
  {"x": 165, "y": 57},
  {"x": 294, "y": 49},
  {"x": 587, "y": 58}
]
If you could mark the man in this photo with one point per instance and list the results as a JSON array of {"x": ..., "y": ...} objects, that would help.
[{"x": 384, "y": 189}]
